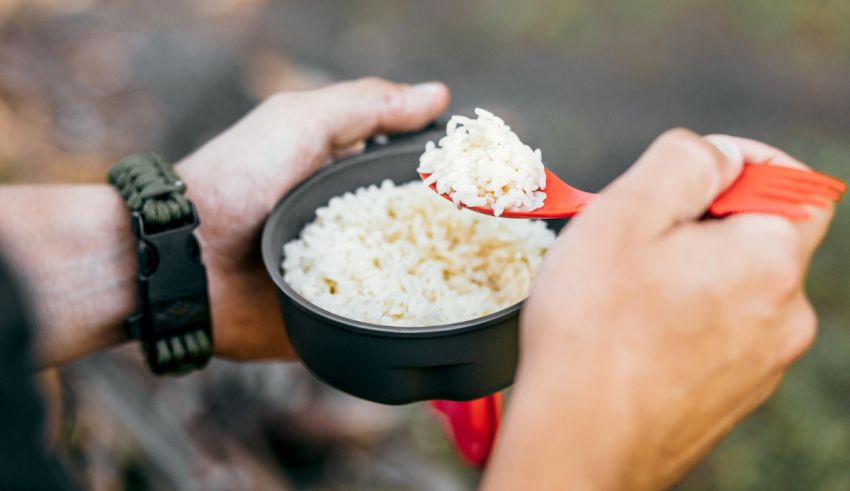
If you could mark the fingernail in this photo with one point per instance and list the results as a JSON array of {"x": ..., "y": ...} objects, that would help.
[
  {"x": 353, "y": 149},
  {"x": 428, "y": 89},
  {"x": 727, "y": 147}
]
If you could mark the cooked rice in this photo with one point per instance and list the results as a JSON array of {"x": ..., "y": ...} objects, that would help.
[
  {"x": 481, "y": 162},
  {"x": 403, "y": 256}
]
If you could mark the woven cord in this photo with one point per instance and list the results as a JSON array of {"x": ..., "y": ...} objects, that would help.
[
  {"x": 181, "y": 353},
  {"x": 150, "y": 186}
]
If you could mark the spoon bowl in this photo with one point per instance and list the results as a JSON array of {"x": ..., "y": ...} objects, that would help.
[{"x": 562, "y": 200}]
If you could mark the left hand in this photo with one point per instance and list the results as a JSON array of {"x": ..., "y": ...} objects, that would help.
[{"x": 235, "y": 180}]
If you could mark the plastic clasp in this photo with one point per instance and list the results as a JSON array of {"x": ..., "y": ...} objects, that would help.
[{"x": 172, "y": 283}]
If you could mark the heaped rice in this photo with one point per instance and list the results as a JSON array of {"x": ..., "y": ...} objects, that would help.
[
  {"x": 403, "y": 256},
  {"x": 482, "y": 162}
]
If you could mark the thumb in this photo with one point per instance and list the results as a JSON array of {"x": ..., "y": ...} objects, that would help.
[
  {"x": 352, "y": 111},
  {"x": 675, "y": 180}
]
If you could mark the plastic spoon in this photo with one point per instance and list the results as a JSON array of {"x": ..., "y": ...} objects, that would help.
[{"x": 761, "y": 188}]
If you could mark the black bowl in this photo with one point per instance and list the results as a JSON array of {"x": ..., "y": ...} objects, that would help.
[{"x": 391, "y": 365}]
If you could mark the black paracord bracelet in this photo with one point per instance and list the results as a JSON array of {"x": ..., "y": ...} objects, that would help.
[{"x": 173, "y": 323}]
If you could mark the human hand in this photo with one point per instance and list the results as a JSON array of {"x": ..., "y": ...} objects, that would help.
[
  {"x": 650, "y": 333},
  {"x": 235, "y": 180}
]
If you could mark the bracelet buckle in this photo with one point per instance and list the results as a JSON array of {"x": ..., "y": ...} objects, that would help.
[{"x": 173, "y": 322}]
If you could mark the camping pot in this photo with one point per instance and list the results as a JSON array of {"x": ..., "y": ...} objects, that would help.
[{"x": 391, "y": 365}]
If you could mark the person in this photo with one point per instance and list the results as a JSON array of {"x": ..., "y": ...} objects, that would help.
[{"x": 648, "y": 335}]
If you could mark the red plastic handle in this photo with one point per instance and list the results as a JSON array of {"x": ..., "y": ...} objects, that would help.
[
  {"x": 777, "y": 190},
  {"x": 471, "y": 425}
]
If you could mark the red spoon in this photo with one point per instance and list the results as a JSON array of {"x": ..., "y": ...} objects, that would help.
[{"x": 761, "y": 188}]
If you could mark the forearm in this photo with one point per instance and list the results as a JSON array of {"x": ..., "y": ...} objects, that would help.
[{"x": 73, "y": 246}]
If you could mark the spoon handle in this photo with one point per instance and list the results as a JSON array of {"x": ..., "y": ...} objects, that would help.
[{"x": 777, "y": 190}]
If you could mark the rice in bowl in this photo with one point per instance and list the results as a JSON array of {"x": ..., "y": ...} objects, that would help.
[{"x": 403, "y": 256}]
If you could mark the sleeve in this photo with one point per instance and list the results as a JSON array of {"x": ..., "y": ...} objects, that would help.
[{"x": 24, "y": 462}]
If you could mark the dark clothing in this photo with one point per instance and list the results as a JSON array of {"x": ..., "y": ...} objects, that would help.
[{"x": 24, "y": 463}]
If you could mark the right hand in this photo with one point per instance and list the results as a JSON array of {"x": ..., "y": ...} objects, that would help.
[{"x": 650, "y": 333}]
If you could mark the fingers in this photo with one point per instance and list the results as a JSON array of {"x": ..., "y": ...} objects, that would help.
[
  {"x": 811, "y": 231},
  {"x": 352, "y": 111},
  {"x": 675, "y": 180},
  {"x": 756, "y": 152}
]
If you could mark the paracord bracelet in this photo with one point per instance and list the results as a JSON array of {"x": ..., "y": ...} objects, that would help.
[{"x": 174, "y": 322}]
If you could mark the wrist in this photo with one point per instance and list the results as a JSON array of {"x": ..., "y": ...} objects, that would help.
[
  {"x": 579, "y": 424},
  {"x": 218, "y": 268},
  {"x": 246, "y": 320}
]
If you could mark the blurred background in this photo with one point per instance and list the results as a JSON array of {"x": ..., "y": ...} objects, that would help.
[{"x": 590, "y": 82}]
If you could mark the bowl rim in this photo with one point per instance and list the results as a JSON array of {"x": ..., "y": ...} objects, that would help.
[{"x": 272, "y": 262}]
